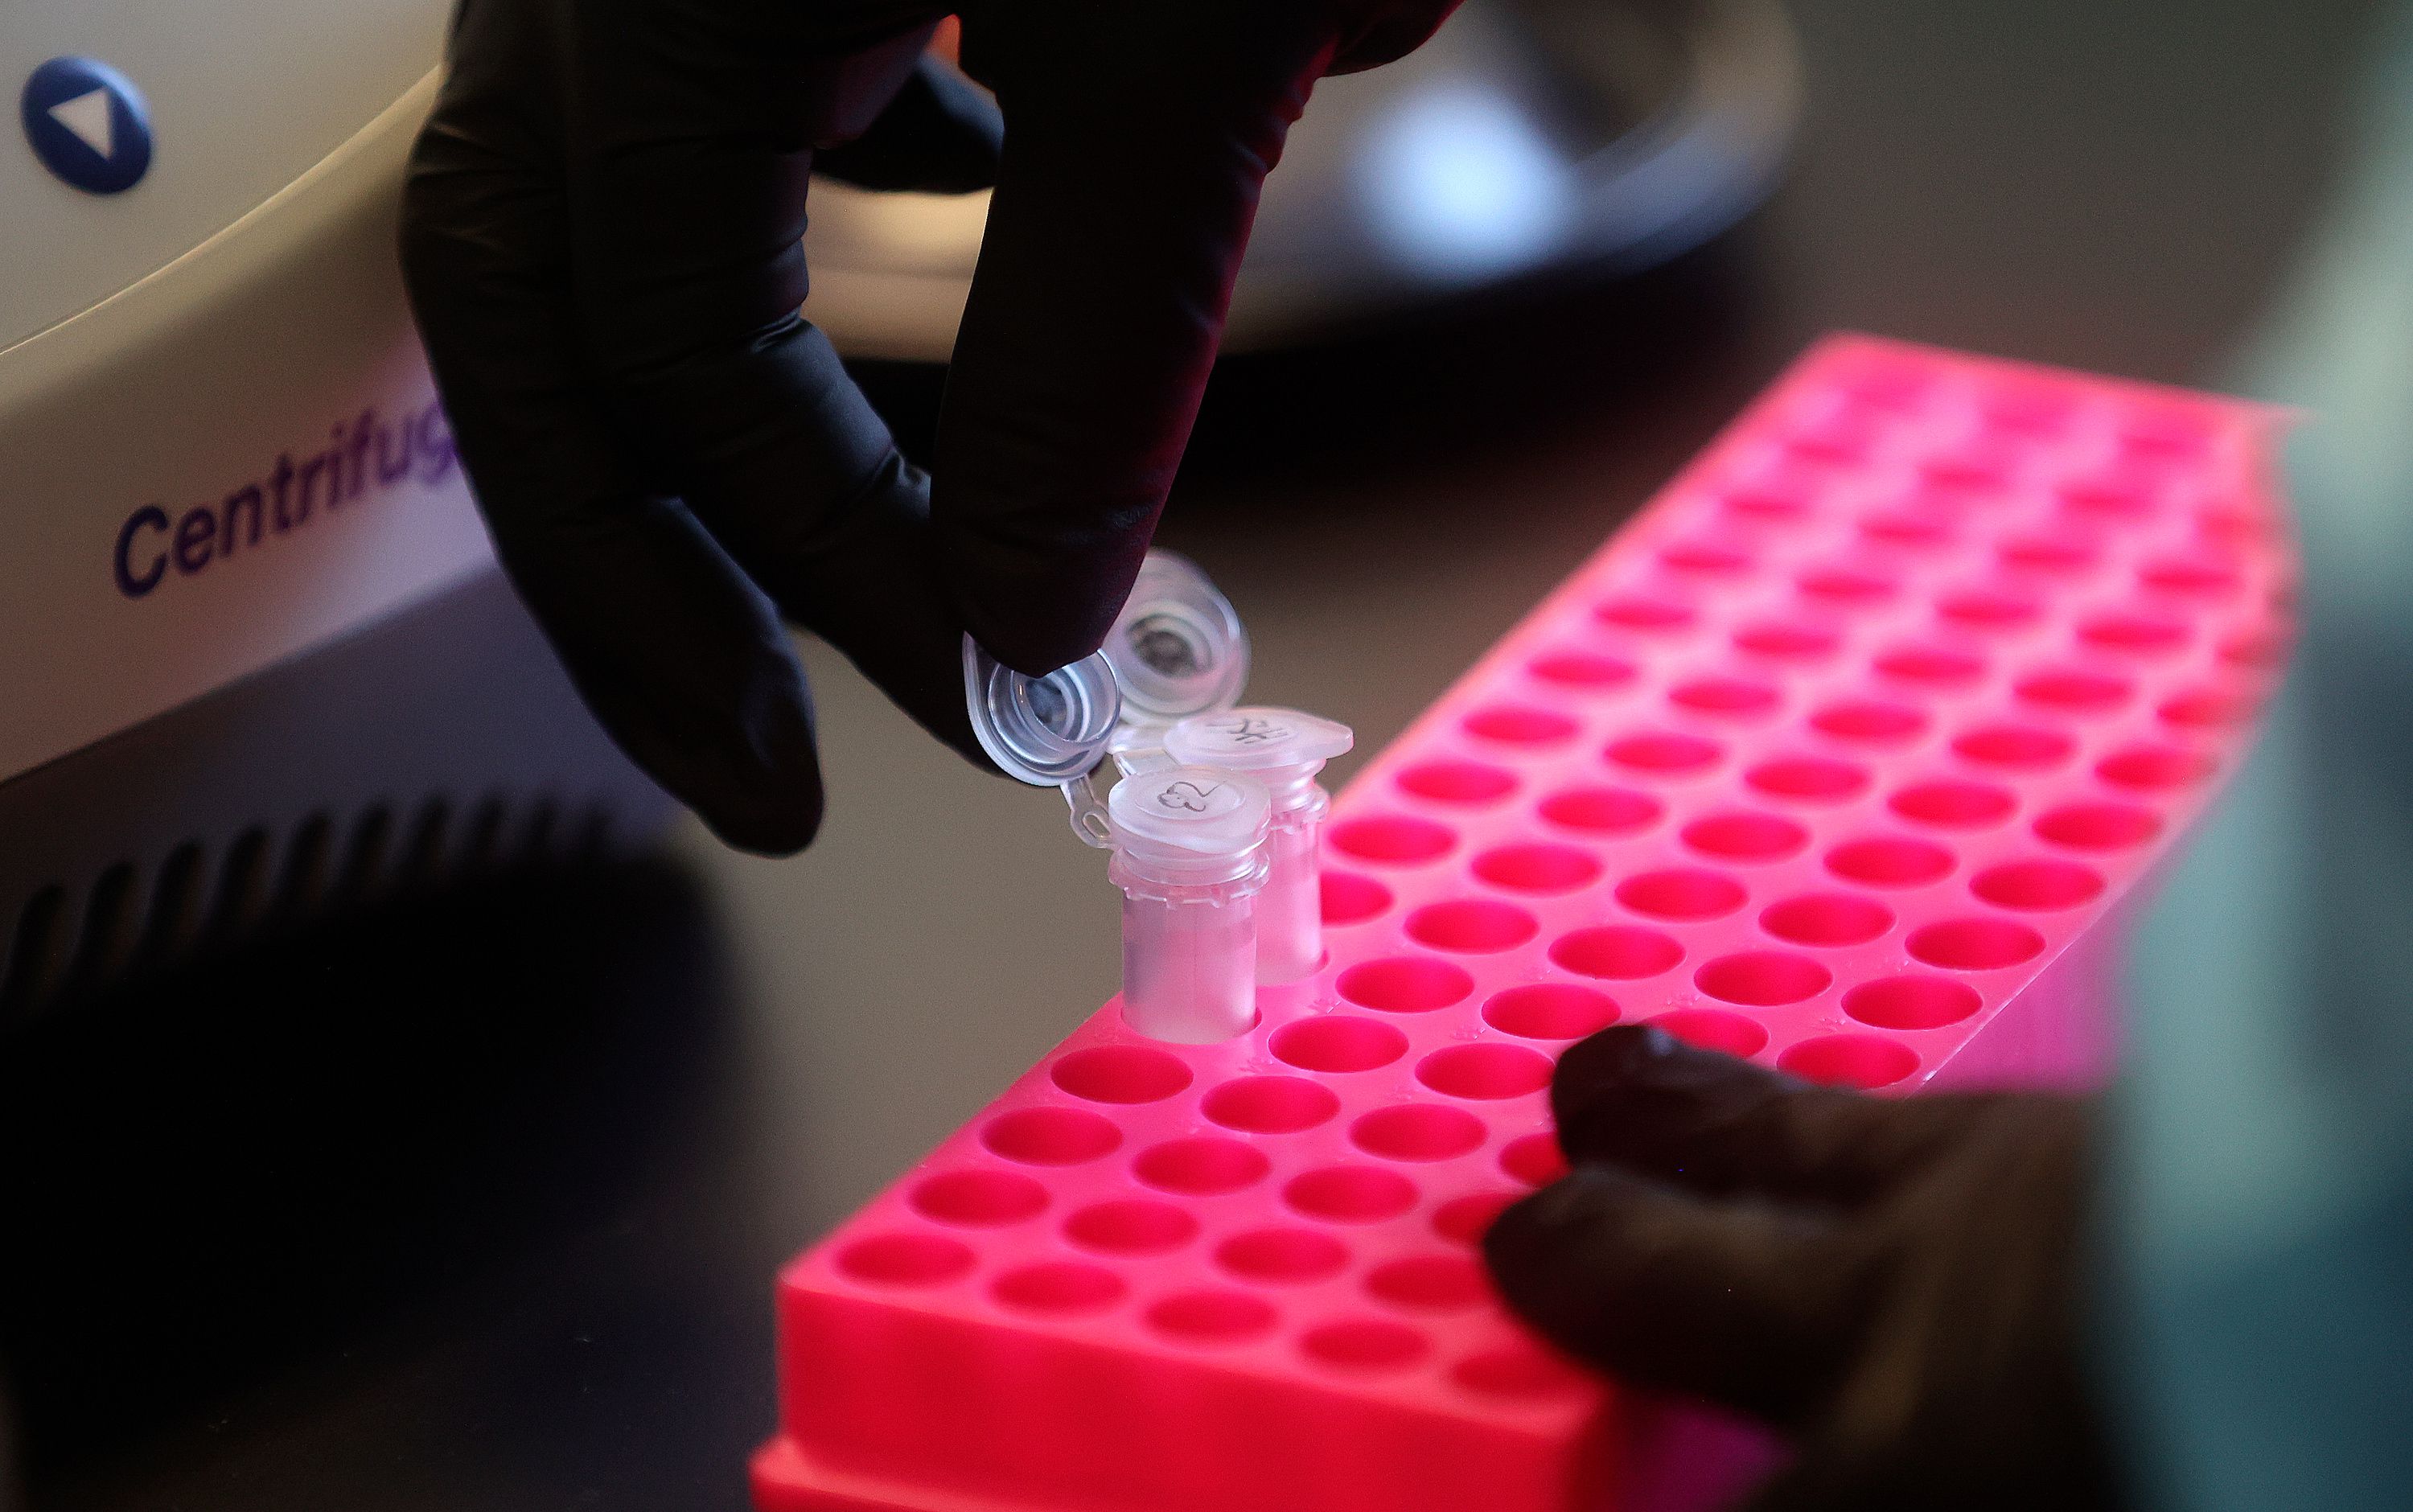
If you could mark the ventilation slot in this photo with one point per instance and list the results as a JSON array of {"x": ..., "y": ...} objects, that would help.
[
  {"x": 537, "y": 843},
  {"x": 483, "y": 844},
  {"x": 65, "y": 944},
  {"x": 107, "y": 944},
  {"x": 37, "y": 954},
  {"x": 302, "y": 886},
  {"x": 422, "y": 854},
  {"x": 364, "y": 857},
  {"x": 176, "y": 901},
  {"x": 592, "y": 839},
  {"x": 241, "y": 902}
]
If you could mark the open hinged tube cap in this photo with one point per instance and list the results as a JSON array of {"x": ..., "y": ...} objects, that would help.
[
  {"x": 1178, "y": 647},
  {"x": 1043, "y": 731}
]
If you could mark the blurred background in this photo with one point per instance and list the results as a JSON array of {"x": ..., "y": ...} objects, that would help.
[{"x": 472, "y": 1197}]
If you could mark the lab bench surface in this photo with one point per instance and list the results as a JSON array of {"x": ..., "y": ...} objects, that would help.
[{"x": 474, "y": 1202}]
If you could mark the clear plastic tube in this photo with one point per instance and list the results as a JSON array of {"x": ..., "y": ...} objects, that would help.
[
  {"x": 1190, "y": 961},
  {"x": 1189, "y": 859},
  {"x": 1284, "y": 749},
  {"x": 1290, "y": 912}
]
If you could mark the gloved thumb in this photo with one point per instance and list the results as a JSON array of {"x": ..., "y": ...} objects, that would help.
[
  {"x": 1638, "y": 1098},
  {"x": 1741, "y": 1303},
  {"x": 683, "y": 661},
  {"x": 939, "y": 134}
]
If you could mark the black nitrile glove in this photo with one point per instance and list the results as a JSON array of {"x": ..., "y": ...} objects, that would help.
[
  {"x": 1894, "y": 1284},
  {"x": 600, "y": 240}
]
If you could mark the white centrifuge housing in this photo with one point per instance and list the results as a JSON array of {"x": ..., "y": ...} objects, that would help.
[{"x": 259, "y": 658}]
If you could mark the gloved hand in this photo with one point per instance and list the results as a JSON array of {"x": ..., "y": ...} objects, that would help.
[
  {"x": 600, "y": 241},
  {"x": 1895, "y": 1284}
]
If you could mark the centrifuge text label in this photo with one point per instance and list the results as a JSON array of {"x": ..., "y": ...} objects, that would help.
[{"x": 366, "y": 456}]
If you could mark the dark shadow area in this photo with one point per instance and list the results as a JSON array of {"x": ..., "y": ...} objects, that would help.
[
  {"x": 1491, "y": 373},
  {"x": 1493, "y": 369},
  {"x": 306, "y": 1152}
]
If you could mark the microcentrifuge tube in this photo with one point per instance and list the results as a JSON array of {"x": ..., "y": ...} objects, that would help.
[
  {"x": 1189, "y": 857},
  {"x": 1284, "y": 749}
]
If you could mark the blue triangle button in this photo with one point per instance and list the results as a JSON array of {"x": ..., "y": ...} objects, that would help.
[{"x": 88, "y": 125}]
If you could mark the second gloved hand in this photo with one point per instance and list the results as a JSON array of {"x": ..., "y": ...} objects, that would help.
[{"x": 1894, "y": 1284}]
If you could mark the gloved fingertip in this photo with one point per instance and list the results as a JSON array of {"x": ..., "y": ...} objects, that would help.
[
  {"x": 1622, "y": 1060},
  {"x": 1555, "y": 1255},
  {"x": 938, "y": 134},
  {"x": 1527, "y": 1244},
  {"x": 1725, "y": 1300},
  {"x": 775, "y": 830},
  {"x": 1620, "y": 1053},
  {"x": 763, "y": 794},
  {"x": 760, "y": 796},
  {"x": 975, "y": 125},
  {"x": 1036, "y": 632},
  {"x": 1640, "y": 1073},
  {"x": 1037, "y": 650}
]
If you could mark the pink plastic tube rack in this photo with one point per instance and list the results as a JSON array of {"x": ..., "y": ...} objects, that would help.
[{"x": 1843, "y": 756}]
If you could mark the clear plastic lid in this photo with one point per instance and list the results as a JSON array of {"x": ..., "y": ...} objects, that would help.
[
  {"x": 1190, "y": 817},
  {"x": 1178, "y": 647},
  {"x": 1265, "y": 741},
  {"x": 1043, "y": 731}
]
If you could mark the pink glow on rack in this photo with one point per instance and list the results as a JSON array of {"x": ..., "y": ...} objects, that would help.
[{"x": 1849, "y": 756}]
